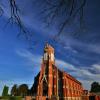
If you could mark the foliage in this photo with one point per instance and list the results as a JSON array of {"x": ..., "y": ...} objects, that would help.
[
  {"x": 5, "y": 91},
  {"x": 21, "y": 90},
  {"x": 95, "y": 87},
  {"x": 14, "y": 90}
]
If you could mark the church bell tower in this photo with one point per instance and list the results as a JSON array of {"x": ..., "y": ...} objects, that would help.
[
  {"x": 48, "y": 54},
  {"x": 46, "y": 74}
]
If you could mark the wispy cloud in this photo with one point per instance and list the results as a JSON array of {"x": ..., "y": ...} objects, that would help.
[
  {"x": 96, "y": 67},
  {"x": 81, "y": 73},
  {"x": 63, "y": 65},
  {"x": 31, "y": 58}
]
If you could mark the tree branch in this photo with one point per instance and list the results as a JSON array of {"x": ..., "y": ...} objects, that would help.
[{"x": 73, "y": 9}]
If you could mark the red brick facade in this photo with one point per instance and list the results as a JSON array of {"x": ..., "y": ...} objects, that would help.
[{"x": 54, "y": 83}]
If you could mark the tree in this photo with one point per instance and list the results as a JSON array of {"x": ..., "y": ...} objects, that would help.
[
  {"x": 5, "y": 91},
  {"x": 51, "y": 10},
  {"x": 23, "y": 90},
  {"x": 95, "y": 87},
  {"x": 14, "y": 90},
  {"x": 64, "y": 10}
]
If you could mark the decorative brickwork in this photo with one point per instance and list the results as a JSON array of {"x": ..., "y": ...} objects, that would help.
[{"x": 54, "y": 83}]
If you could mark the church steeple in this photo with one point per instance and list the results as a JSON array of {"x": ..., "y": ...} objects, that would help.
[
  {"x": 54, "y": 84},
  {"x": 48, "y": 53}
]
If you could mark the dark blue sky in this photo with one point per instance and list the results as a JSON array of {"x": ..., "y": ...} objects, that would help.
[{"x": 78, "y": 55}]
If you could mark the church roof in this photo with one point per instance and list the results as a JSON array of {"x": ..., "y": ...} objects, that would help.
[{"x": 67, "y": 75}]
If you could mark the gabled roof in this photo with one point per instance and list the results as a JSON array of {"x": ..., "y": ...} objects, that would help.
[{"x": 68, "y": 75}]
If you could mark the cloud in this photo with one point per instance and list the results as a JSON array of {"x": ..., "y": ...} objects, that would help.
[
  {"x": 83, "y": 74},
  {"x": 70, "y": 49},
  {"x": 96, "y": 67},
  {"x": 94, "y": 48},
  {"x": 78, "y": 52},
  {"x": 62, "y": 65},
  {"x": 31, "y": 58}
]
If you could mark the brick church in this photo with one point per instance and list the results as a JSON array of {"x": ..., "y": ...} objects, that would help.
[{"x": 54, "y": 84}]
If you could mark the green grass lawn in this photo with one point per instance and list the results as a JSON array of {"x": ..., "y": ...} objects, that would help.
[{"x": 11, "y": 98}]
